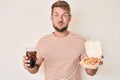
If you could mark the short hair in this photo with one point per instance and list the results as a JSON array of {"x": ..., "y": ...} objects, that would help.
[{"x": 62, "y": 4}]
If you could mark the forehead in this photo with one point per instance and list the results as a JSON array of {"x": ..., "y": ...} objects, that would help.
[{"x": 60, "y": 10}]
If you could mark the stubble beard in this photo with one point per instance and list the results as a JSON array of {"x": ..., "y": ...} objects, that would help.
[{"x": 60, "y": 30}]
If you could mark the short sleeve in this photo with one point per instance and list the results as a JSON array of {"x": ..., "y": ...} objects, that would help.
[
  {"x": 39, "y": 54},
  {"x": 83, "y": 54}
]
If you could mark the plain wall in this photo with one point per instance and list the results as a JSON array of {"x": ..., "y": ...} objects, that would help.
[{"x": 24, "y": 22}]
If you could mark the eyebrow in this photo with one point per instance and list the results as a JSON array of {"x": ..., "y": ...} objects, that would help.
[
  {"x": 63, "y": 13},
  {"x": 55, "y": 12}
]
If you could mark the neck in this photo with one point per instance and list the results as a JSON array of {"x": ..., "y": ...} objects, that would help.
[{"x": 61, "y": 34}]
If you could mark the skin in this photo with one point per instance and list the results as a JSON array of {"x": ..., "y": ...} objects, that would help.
[{"x": 60, "y": 19}]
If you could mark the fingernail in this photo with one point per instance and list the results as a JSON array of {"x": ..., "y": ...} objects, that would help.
[
  {"x": 28, "y": 61},
  {"x": 26, "y": 57}
]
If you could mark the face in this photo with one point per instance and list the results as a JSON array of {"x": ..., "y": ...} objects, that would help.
[{"x": 60, "y": 19}]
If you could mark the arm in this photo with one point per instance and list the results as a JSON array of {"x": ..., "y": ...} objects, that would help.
[
  {"x": 31, "y": 70},
  {"x": 91, "y": 72},
  {"x": 34, "y": 70}
]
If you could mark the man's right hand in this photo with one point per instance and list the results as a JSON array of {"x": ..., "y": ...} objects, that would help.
[{"x": 26, "y": 65}]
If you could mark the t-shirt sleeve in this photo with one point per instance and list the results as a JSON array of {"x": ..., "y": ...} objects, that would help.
[
  {"x": 83, "y": 54},
  {"x": 39, "y": 54}
]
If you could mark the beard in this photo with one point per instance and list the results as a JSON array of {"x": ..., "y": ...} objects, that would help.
[{"x": 60, "y": 30}]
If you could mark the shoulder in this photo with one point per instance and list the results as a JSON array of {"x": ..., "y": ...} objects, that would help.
[
  {"x": 77, "y": 36},
  {"x": 44, "y": 38}
]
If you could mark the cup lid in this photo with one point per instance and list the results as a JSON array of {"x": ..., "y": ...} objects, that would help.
[
  {"x": 93, "y": 48},
  {"x": 30, "y": 49}
]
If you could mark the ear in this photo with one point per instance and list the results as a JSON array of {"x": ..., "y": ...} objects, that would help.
[{"x": 70, "y": 18}]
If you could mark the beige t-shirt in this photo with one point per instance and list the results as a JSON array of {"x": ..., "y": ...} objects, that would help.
[{"x": 61, "y": 56}]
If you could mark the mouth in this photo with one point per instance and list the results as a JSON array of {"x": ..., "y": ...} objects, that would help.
[{"x": 60, "y": 24}]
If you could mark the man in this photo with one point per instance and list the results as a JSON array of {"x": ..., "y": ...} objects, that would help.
[{"x": 62, "y": 50}]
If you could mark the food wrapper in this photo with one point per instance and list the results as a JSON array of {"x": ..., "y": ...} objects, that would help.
[{"x": 94, "y": 52}]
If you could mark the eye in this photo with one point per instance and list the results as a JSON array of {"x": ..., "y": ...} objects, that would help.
[
  {"x": 65, "y": 15},
  {"x": 56, "y": 15}
]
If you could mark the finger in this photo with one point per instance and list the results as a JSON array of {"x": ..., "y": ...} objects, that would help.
[
  {"x": 26, "y": 66},
  {"x": 83, "y": 56},
  {"x": 25, "y": 57},
  {"x": 26, "y": 61},
  {"x": 102, "y": 56},
  {"x": 101, "y": 62}
]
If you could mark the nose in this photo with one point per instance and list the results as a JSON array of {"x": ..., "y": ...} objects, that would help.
[{"x": 60, "y": 18}]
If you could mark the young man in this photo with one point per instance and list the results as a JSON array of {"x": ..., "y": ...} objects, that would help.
[{"x": 62, "y": 50}]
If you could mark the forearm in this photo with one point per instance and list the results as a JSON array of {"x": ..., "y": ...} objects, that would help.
[
  {"x": 91, "y": 72},
  {"x": 34, "y": 70}
]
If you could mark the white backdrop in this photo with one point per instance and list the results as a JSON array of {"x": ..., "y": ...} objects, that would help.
[{"x": 23, "y": 22}]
